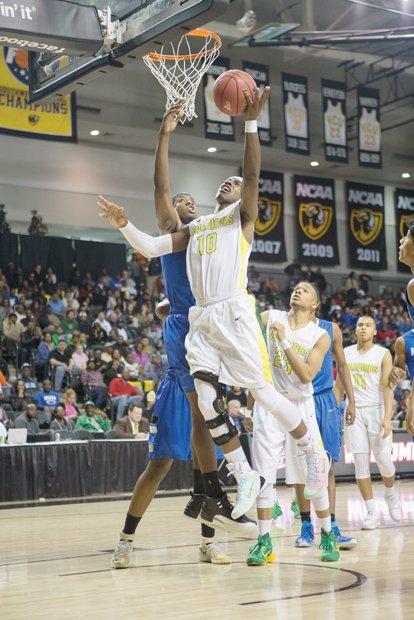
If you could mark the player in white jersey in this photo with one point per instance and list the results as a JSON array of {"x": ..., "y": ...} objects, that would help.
[
  {"x": 297, "y": 347},
  {"x": 370, "y": 367},
  {"x": 225, "y": 344}
]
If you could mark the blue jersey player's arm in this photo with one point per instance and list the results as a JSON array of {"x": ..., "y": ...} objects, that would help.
[
  {"x": 168, "y": 219},
  {"x": 400, "y": 361}
]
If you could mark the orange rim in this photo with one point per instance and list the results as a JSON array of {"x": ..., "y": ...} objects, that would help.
[{"x": 198, "y": 32}]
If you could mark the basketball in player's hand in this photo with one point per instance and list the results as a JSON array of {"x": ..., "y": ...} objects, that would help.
[{"x": 228, "y": 91}]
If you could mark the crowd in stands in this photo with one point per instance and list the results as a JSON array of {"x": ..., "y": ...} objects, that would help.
[{"x": 89, "y": 354}]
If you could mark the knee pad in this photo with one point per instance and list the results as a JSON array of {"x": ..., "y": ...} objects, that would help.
[
  {"x": 321, "y": 502},
  {"x": 266, "y": 497},
  {"x": 361, "y": 462},
  {"x": 385, "y": 464},
  {"x": 214, "y": 411}
]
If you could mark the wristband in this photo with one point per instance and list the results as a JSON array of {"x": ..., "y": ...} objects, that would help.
[
  {"x": 250, "y": 127},
  {"x": 285, "y": 344}
]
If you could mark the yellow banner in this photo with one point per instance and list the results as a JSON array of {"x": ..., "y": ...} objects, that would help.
[{"x": 52, "y": 120}]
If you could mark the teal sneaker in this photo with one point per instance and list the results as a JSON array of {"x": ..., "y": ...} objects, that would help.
[
  {"x": 294, "y": 506},
  {"x": 344, "y": 542},
  {"x": 277, "y": 511},
  {"x": 329, "y": 546},
  {"x": 262, "y": 552}
]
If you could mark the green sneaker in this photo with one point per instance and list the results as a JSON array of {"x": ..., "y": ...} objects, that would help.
[
  {"x": 277, "y": 511},
  {"x": 329, "y": 546},
  {"x": 294, "y": 506},
  {"x": 262, "y": 552}
]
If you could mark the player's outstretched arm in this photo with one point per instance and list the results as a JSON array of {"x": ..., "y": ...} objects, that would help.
[
  {"x": 251, "y": 161},
  {"x": 344, "y": 374},
  {"x": 388, "y": 393},
  {"x": 168, "y": 220},
  {"x": 400, "y": 361},
  {"x": 150, "y": 247}
]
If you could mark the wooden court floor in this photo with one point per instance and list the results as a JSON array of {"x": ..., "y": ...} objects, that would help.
[{"x": 54, "y": 564}]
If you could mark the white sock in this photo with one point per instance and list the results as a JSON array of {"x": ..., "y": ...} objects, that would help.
[
  {"x": 238, "y": 456},
  {"x": 389, "y": 491},
  {"x": 370, "y": 504},
  {"x": 265, "y": 526},
  {"x": 206, "y": 541},
  {"x": 325, "y": 523}
]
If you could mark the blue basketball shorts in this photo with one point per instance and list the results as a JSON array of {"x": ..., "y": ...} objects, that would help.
[
  {"x": 330, "y": 422},
  {"x": 175, "y": 330}
]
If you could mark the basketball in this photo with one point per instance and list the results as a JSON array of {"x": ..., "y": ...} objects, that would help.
[{"x": 228, "y": 91}]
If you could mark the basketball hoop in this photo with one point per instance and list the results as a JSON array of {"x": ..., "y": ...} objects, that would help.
[{"x": 180, "y": 71}]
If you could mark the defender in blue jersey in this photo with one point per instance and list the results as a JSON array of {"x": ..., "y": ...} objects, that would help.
[
  {"x": 329, "y": 418},
  {"x": 406, "y": 256},
  {"x": 176, "y": 419}
]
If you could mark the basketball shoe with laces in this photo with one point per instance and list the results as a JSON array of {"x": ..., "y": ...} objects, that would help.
[
  {"x": 248, "y": 488},
  {"x": 262, "y": 552},
  {"x": 194, "y": 504},
  {"x": 344, "y": 542},
  {"x": 213, "y": 553},
  {"x": 329, "y": 546},
  {"x": 307, "y": 536},
  {"x": 317, "y": 471},
  {"x": 217, "y": 512},
  {"x": 122, "y": 552}
]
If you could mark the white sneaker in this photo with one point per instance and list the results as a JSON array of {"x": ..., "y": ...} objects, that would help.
[
  {"x": 371, "y": 521},
  {"x": 317, "y": 472},
  {"x": 248, "y": 488},
  {"x": 394, "y": 507},
  {"x": 213, "y": 553},
  {"x": 123, "y": 550}
]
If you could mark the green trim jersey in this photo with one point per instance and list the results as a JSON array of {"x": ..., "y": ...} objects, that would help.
[
  {"x": 365, "y": 369},
  {"x": 217, "y": 256},
  {"x": 302, "y": 340}
]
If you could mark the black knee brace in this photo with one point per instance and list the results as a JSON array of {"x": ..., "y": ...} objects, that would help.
[{"x": 222, "y": 420}]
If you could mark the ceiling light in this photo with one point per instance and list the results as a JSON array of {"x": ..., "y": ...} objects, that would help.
[
  {"x": 405, "y": 175},
  {"x": 314, "y": 164},
  {"x": 212, "y": 149},
  {"x": 95, "y": 132}
]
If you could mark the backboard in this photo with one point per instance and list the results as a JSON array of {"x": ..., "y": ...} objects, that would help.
[{"x": 130, "y": 29}]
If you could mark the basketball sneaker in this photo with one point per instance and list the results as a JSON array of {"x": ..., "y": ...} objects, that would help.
[
  {"x": 123, "y": 550},
  {"x": 371, "y": 521},
  {"x": 218, "y": 511},
  {"x": 294, "y": 506},
  {"x": 277, "y": 511},
  {"x": 248, "y": 488},
  {"x": 318, "y": 470},
  {"x": 344, "y": 542},
  {"x": 307, "y": 536},
  {"x": 329, "y": 546},
  {"x": 262, "y": 552},
  {"x": 212, "y": 552},
  {"x": 194, "y": 504},
  {"x": 394, "y": 507}
]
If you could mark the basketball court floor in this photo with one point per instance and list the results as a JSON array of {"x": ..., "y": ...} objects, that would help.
[{"x": 55, "y": 563}]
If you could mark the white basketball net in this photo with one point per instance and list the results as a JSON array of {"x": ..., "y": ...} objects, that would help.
[{"x": 180, "y": 71}]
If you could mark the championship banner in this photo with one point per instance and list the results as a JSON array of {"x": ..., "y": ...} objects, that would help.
[
  {"x": 260, "y": 74},
  {"x": 404, "y": 218},
  {"x": 295, "y": 105},
  {"x": 369, "y": 132},
  {"x": 316, "y": 212},
  {"x": 218, "y": 125},
  {"x": 367, "y": 248},
  {"x": 269, "y": 242},
  {"x": 55, "y": 120},
  {"x": 334, "y": 121}
]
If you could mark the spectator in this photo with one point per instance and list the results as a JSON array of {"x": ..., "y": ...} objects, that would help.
[
  {"x": 12, "y": 332},
  {"x": 102, "y": 322},
  {"x": 97, "y": 335},
  {"x": 69, "y": 402},
  {"x": 69, "y": 323},
  {"x": 59, "y": 360},
  {"x": 122, "y": 393},
  {"x": 155, "y": 369},
  {"x": 78, "y": 361},
  {"x": 20, "y": 397},
  {"x": 30, "y": 340},
  {"x": 133, "y": 425},
  {"x": 132, "y": 366},
  {"x": 84, "y": 325},
  {"x": 233, "y": 409},
  {"x": 363, "y": 282},
  {"x": 386, "y": 335},
  {"x": 237, "y": 393},
  {"x": 46, "y": 397},
  {"x": 112, "y": 372},
  {"x": 30, "y": 382},
  {"x": 60, "y": 421},
  {"x": 28, "y": 420},
  {"x": 93, "y": 380},
  {"x": 56, "y": 304},
  {"x": 88, "y": 421},
  {"x": 42, "y": 356},
  {"x": 48, "y": 320}
]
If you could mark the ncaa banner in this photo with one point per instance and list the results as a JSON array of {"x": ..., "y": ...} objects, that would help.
[
  {"x": 334, "y": 121},
  {"x": 369, "y": 128},
  {"x": 366, "y": 225},
  {"x": 269, "y": 235},
  {"x": 55, "y": 120},
  {"x": 260, "y": 74},
  {"x": 217, "y": 125},
  {"x": 316, "y": 213},
  {"x": 295, "y": 106},
  {"x": 404, "y": 218}
]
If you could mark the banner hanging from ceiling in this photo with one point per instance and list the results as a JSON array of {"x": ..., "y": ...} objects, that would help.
[
  {"x": 366, "y": 225},
  {"x": 269, "y": 235},
  {"x": 53, "y": 120},
  {"x": 295, "y": 107},
  {"x": 369, "y": 127},
  {"x": 260, "y": 74},
  {"x": 334, "y": 121},
  {"x": 217, "y": 125},
  {"x": 316, "y": 220}
]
